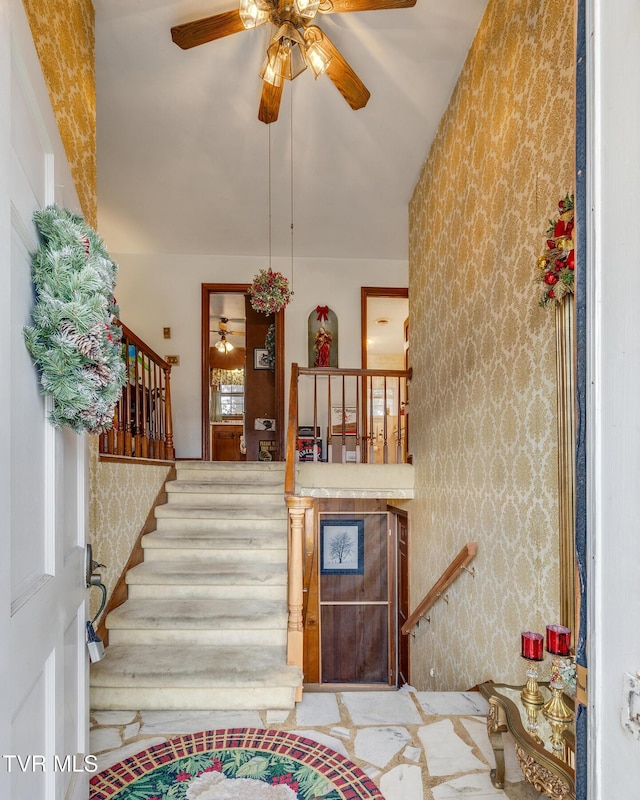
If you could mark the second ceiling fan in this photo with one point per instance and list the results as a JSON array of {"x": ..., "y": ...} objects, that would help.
[{"x": 294, "y": 45}]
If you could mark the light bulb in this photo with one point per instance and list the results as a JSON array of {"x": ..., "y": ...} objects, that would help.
[
  {"x": 307, "y": 9},
  {"x": 317, "y": 59},
  {"x": 253, "y": 13}
]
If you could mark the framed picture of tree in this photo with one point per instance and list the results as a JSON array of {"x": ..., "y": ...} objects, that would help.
[{"x": 342, "y": 547}]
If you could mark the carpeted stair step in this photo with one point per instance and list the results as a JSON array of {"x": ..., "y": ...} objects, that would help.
[
  {"x": 196, "y": 495},
  {"x": 193, "y": 621},
  {"x": 202, "y": 579},
  {"x": 222, "y": 511},
  {"x": 221, "y": 485},
  {"x": 193, "y": 677},
  {"x": 241, "y": 545},
  {"x": 251, "y": 472}
]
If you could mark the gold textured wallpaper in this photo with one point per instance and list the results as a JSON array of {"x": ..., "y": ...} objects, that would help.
[
  {"x": 483, "y": 352},
  {"x": 120, "y": 496},
  {"x": 63, "y": 32}
]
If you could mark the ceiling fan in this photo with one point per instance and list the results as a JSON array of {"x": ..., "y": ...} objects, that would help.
[
  {"x": 294, "y": 44},
  {"x": 222, "y": 345}
]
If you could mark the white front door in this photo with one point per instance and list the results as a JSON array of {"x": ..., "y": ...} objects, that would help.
[{"x": 44, "y": 669}]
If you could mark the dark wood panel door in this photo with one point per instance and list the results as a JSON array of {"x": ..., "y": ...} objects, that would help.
[{"x": 355, "y": 602}]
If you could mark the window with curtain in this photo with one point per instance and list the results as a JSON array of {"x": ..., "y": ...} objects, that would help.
[{"x": 227, "y": 394}]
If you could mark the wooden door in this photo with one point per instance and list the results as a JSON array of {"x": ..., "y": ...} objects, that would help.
[
  {"x": 356, "y": 599},
  {"x": 264, "y": 389},
  {"x": 43, "y": 658},
  {"x": 226, "y": 443}
]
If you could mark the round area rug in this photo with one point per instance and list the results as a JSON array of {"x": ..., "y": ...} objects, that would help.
[{"x": 235, "y": 764}]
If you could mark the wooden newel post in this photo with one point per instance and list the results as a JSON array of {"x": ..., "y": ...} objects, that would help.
[
  {"x": 170, "y": 452},
  {"x": 295, "y": 628}
]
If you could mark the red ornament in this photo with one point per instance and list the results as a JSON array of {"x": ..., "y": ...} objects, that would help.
[
  {"x": 571, "y": 260},
  {"x": 551, "y": 294},
  {"x": 550, "y": 278},
  {"x": 560, "y": 229}
]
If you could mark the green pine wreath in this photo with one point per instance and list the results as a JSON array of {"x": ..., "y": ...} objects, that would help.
[{"x": 74, "y": 341}]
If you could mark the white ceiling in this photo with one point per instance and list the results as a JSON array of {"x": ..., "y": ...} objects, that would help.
[{"x": 183, "y": 162}]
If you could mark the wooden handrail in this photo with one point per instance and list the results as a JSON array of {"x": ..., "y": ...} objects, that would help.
[
  {"x": 466, "y": 555},
  {"x": 369, "y": 373}
]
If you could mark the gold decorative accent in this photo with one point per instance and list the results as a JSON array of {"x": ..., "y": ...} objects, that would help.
[
  {"x": 555, "y": 709},
  {"x": 565, "y": 346},
  {"x": 492, "y": 718},
  {"x": 531, "y": 694},
  {"x": 541, "y": 778},
  {"x": 558, "y": 743},
  {"x": 532, "y": 710}
]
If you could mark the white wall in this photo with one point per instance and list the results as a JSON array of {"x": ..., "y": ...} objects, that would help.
[
  {"x": 157, "y": 291},
  {"x": 613, "y": 402}
]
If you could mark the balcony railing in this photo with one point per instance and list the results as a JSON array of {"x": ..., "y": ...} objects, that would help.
[
  {"x": 361, "y": 411},
  {"x": 142, "y": 425}
]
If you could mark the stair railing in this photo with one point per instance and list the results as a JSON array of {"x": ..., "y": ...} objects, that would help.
[
  {"x": 459, "y": 563},
  {"x": 142, "y": 423}
]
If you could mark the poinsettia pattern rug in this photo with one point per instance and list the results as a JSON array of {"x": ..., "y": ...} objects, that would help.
[{"x": 235, "y": 764}]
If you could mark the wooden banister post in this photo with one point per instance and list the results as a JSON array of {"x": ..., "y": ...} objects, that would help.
[
  {"x": 170, "y": 452},
  {"x": 295, "y": 630}
]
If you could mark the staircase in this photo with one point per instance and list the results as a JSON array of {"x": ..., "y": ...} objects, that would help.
[{"x": 205, "y": 625}]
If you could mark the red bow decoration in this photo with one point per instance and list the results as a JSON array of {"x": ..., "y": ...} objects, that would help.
[{"x": 323, "y": 313}]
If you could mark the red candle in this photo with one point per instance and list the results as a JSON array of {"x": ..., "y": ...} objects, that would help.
[
  {"x": 532, "y": 646},
  {"x": 558, "y": 640}
]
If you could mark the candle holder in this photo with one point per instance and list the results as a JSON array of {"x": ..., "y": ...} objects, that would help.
[
  {"x": 555, "y": 709},
  {"x": 532, "y": 652},
  {"x": 531, "y": 694}
]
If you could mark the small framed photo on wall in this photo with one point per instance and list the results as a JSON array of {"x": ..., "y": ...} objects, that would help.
[{"x": 260, "y": 358}]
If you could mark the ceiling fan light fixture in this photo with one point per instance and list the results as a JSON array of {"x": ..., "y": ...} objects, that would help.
[
  {"x": 307, "y": 9},
  {"x": 284, "y": 60},
  {"x": 254, "y": 13},
  {"x": 223, "y": 346},
  {"x": 317, "y": 58},
  {"x": 273, "y": 70}
]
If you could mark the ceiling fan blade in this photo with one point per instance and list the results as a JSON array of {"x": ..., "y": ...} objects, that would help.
[
  {"x": 270, "y": 102},
  {"x": 342, "y": 6},
  {"x": 341, "y": 75},
  {"x": 201, "y": 31}
]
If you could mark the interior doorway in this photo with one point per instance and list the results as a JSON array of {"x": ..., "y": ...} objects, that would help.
[
  {"x": 385, "y": 342},
  {"x": 242, "y": 378},
  {"x": 356, "y": 598}
]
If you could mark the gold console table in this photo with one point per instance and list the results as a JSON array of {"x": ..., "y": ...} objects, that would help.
[{"x": 547, "y": 768}]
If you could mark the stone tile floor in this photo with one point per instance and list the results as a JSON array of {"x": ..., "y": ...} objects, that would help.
[{"x": 414, "y": 745}]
